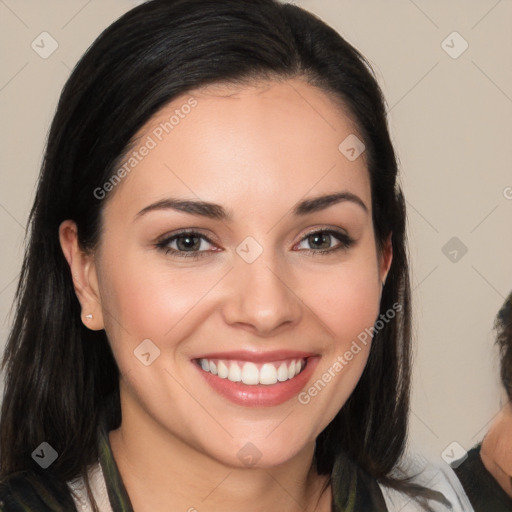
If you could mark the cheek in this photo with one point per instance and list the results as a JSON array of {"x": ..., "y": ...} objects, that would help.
[
  {"x": 346, "y": 297},
  {"x": 347, "y": 304},
  {"x": 143, "y": 300}
]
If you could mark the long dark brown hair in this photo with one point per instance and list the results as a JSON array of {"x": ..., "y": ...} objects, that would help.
[{"x": 58, "y": 372}]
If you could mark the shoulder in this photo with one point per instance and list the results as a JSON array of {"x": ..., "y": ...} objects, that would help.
[
  {"x": 432, "y": 473},
  {"x": 483, "y": 490},
  {"x": 24, "y": 490}
]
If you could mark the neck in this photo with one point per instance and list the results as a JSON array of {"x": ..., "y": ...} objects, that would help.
[
  {"x": 496, "y": 451},
  {"x": 162, "y": 472}
]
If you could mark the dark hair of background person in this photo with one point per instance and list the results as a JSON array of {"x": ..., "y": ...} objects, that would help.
[
  {"x": 503, "y": 326},
  {"x": 58, "y": 372}
]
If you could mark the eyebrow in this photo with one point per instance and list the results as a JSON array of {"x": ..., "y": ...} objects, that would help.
[{"x": 218, "y": 212}]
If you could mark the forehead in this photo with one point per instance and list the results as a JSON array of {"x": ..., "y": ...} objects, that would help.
[{"x": 260, "y": 141}]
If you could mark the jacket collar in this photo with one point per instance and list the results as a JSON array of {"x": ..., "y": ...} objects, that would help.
[
  {"x": 364, "y": 491},
  {"x": 119, "y": 500}
]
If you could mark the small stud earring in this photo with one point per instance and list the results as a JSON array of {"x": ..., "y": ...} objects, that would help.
[{"x": 88, "y": 317}]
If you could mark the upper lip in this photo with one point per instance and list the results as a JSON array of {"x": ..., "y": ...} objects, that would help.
[{"x": 257, "y": 357}]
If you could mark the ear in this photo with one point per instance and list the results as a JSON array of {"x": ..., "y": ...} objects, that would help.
[
  {"x": 386, "y": 258},
  {"x": 83, "y": 273}
]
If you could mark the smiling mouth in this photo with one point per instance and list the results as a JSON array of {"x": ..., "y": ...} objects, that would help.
[{"x": 253, "y": 374}]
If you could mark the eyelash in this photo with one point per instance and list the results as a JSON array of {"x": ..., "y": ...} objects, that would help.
[{"x": 345, "y": 243}]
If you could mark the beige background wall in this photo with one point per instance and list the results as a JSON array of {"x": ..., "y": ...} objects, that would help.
[{"x": 451, "y": 123}]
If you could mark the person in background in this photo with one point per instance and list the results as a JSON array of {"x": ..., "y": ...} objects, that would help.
[{"x": 486, "y": 474}]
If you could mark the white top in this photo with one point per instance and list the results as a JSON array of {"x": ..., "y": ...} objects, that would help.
[
  {"x": 431, "y": 473},
  {"x": 98, "y": 487}
]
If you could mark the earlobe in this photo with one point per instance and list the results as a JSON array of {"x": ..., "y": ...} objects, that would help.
[
  {"x": 386, "y": 259},
  {"x": 83, "y": 274}
]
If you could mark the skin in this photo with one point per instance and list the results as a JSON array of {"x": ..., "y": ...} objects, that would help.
[
  {"x": 496, "y": 450},
  {"x": 257, "y": 150}
]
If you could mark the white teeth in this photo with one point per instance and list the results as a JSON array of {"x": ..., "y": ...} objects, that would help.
[
  {"x": 291, "y": 370},
  {"x": 249, "y": 374},
  {"x": 235, "y": 374},
  {"x": 268, "y": 374},
  {"x": 222, "y": 370},
  {"x": 282, "y": 373}
]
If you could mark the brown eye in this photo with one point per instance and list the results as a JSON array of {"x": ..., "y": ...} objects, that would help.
[
  {"x": 188, "y": 244},
  {"x": 320, "y": 242}
]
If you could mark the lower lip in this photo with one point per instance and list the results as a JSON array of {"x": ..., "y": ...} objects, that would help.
[{"x": 260, "y": 395}]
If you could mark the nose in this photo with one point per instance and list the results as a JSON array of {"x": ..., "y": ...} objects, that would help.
[{"x": 261, "y": 297}]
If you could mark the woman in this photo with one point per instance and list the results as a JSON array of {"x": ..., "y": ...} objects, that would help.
[{"x": 214, "y": 308}]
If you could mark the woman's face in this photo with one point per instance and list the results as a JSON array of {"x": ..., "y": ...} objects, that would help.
[{"x": 271, "y": 280}]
